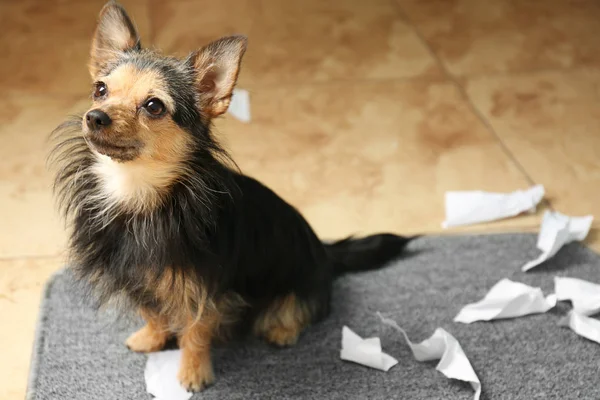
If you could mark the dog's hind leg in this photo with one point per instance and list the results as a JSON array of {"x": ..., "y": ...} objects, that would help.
[{"x": 284, "y": 319}]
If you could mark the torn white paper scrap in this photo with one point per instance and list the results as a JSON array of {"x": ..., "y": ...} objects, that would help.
[
  {"x": 365, "y": 351},
  {"x": 556, "y": 231},
  {"x": 584, "y": 295},
  {"x": 239, "y": 106},
  {"x": 161, "y": 376},
  {"x": 443, "y": 346},
  {"x": 507, "y": 299},
  {"x": 471, "y": 207},
  {"x": 582, "y": 325}
]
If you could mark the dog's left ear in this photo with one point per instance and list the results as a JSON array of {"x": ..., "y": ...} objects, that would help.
[
  {"x": 114, "y": 34},
  {"x": 217, "y": 67}
]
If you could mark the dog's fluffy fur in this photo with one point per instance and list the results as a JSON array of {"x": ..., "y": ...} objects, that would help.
[{"x": 161, "y": 217}]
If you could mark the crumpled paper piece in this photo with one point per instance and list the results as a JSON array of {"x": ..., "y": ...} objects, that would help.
[
  {"x": 239, "y": 106},
  {"x": 161, "y": 376},
  {"x": 443, "y": 346},
  {"x": 472, "y": 207},
  {"x": 365, "y": 351},
  {"x": 582, "y": 325},
  {"x": 507, "y": 299},
  {"x": 556, "y": 231},
  {"x": 584, "y": 295}
]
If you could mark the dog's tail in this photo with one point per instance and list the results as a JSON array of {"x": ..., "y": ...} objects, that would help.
[{"x": 367, "y": 253}]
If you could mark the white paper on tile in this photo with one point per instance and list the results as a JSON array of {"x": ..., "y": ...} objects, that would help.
[
  {"x": 365, "y": 351},
  {"x": 239, "y": 106},
  {"x": 556, "y": 231},
  {"x": 584, "y": 295},
  {"x": 582, "y": 325},
  {"x": 443, "y": 346},
  {"x": 161, "y": 376},
  {"x": 472, "y": 207},
  {"x": 507, "y": 299}
]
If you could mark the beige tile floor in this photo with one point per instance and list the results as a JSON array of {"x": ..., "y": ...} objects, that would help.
[{"x": 364, "y": 114}]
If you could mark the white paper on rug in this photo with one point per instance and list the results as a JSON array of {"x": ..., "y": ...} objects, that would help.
[
  {"x": 557, "y": 230},
  {"x": 366, "y": 352},
  {"x": 444, "y": 347},
  {"x": 161, "y": 376},
  {"x": 507, "y": 299}
]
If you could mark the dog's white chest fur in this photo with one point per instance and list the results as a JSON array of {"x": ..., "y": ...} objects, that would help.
[{"x": 135, "y": 186}]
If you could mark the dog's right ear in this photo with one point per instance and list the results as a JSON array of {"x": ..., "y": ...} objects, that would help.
[{"x": 114, "y": 34}]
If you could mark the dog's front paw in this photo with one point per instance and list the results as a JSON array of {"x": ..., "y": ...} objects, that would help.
[
  {"x": 195, "y": 378},
  {"x": 146, "y": 340}
]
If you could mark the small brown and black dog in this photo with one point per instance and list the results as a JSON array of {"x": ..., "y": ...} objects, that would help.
[{"x": 162, "y": 218}]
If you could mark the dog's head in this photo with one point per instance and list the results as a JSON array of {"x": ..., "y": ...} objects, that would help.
[{"x": 145, "y": 105}]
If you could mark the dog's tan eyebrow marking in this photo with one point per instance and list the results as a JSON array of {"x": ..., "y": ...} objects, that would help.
[{"x": 138, "y": 85}]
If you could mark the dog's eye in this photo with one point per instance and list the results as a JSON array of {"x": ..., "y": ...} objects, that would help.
[
  {"x": 154, "y": 106},
  {"x": 100, "y": 90}
]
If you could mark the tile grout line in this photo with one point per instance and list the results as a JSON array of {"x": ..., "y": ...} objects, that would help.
[{"x": 463, "y": 93}]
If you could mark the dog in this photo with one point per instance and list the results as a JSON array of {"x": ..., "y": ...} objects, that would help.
[{"x": 161, "y": 218}]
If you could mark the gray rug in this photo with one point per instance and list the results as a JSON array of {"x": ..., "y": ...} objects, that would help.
[{"x": 79, "y": 354}]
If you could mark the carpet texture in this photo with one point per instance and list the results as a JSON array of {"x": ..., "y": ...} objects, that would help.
[{"x": 79, "y": 354}]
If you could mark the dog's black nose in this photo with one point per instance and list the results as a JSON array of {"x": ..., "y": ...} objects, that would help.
[{"x": 97, "y": 119}]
